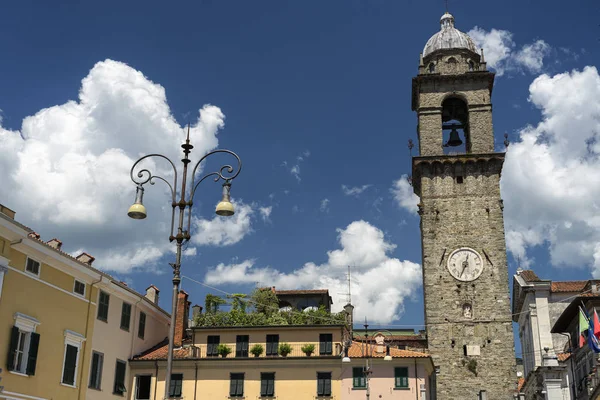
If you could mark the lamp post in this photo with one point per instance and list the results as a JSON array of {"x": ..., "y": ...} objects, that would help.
[
  {"x": 224, "y": 208},
  {"x": 367, "y": 351}
]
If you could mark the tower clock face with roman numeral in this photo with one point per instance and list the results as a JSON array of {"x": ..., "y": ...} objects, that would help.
[{"x": 465, "y": 264}]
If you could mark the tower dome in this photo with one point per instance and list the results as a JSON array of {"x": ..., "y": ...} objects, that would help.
[{"x": 448, "y": 38}]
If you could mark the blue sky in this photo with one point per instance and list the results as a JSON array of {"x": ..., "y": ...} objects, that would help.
[{"x": 314, "y": 95}]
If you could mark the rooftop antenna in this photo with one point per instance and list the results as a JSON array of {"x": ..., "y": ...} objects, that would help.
[
  {"x": 446, "y": 5},
  {"x": 349, "y": 287}
]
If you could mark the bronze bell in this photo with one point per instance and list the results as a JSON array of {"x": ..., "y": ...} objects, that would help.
[{"x": 454, "y": 139}]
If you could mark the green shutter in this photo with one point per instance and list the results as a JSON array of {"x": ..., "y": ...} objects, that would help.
[
  {"x": 142, "y": 325},
  {"x": 240, "y": 385},
  {"x": 69, "y": 368},
  {"x": 320, "y": 385},
  {"x": 271, "y": 385},
  {"x": 401, "y": 377},
  {"x": 232, "y": 386},
  {"x": 14, "y": 342},
  {"x": 34, "y": 344},
  {"x": 264, "y": 385},
  {"x": 327, "y": 385}
]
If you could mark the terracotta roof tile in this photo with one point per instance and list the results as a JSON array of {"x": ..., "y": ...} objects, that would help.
[
  {"x": 360, "y": 350},
  {"x": 529, "y": 275},
  {"x": 160, "y": 351},
  {"x": 568, "y": 286},
  {"x": 563, "y": 356}
]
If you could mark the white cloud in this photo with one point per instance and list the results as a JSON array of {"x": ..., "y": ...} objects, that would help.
[
  {"x": 551, "y": 176},
  {"x": 265, "y": 213},
  {"x": 404, "y": 194},
  {"x": 354, "y": 191},
  {"x": 224, "y": 231},
  {"x": 376, "y": 293},
  {"x": 68, "y": 166},
  {"x": 501, "y": 52},
  {"x": 324, "y": 205},
  {"x": 295, "y": 169}
]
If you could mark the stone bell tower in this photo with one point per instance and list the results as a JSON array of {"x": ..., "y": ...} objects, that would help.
[{"x": 457, "y": 177}]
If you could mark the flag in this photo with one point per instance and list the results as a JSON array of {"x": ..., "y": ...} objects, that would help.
[
  {"x": 593, "y": 340},
  {"x": 596, "y": 323},
  {"x": 584, "y": 326}
]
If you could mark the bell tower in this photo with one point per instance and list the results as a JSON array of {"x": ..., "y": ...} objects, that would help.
[{"x": 457, "y": 177}]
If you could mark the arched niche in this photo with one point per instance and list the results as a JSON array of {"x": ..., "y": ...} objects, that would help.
[{"x": 455, "y": 125}]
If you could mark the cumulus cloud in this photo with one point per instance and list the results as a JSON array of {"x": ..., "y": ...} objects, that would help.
[
  {"x": 551, "y": 176},
  {"x": 363, "y": 247},
  {"x": 324, "y": 205},
  {"x": 295, "y": 168},
  {"x": 69, "y": 166},
  {"x": 404, "y": 196},
  {"x": 502, "y": 54},
  {"x": 224, "y": 231},
  {"x": 354, "y": 191},
  {"x": 265, "y": 213}
]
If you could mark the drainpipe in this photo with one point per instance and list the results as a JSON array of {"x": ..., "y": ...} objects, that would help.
[
  {"x": 87, "y": 323},
  {"x": 133, "y": 327},
  {"x": 568, "y": 335},
  {"x": 155, "y": 377},
  {"x": 196, "y": 381},
  {"x": 416, "y": 381}
]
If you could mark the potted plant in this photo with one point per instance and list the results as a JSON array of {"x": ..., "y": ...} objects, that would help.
[
  {"x": 223, "y": 350},
  {"x": 285, "y": 349},
  {"x": 257, "y": 350},
  {"x": 308, "y": 349}
]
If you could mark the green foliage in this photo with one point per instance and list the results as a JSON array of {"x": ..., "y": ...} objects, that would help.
[
  {"x": 238, "y": 301},
  {"x": 285, "y": 349},
  {"x": 264, "y": 301},
  {"x": 271, "y": 315},
  {"x": 212, "y": 303},
  {"x": 223, "y": 350},
  {"x": 308, "y": 349},
  {"x": 257, "y": 350}
]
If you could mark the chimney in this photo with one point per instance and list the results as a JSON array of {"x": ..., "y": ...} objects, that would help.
[
  {"x": 152, "y": 294},
  {"x": 85, "y": 258},
  {"x": 34, "y": 235},
  {"x": 349, "y": 310},
  {"x": 196, "y": 311},
  {"x": 55, "y": 243},
  {"x": 273, "y": 289},
  {"x": 7, "y": 211},
  {"x": 181, "y": 318}
]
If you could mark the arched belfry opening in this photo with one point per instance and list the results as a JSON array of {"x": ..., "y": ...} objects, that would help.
[{"x": 455, "y": 126}]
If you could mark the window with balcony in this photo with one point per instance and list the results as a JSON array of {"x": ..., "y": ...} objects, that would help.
[
  {"x": 272, "y": 345},
  {"x": 325, "y": 344},
  {"x": 241, "y": 345},
  {"x": 212, "y": 345}
]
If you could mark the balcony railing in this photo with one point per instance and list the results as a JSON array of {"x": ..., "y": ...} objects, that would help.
[{"x": 328, "y": 350}]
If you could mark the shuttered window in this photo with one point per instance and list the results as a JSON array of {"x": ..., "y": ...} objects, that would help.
[
  {"x": 401, "y": 377},
  {"x": 70, "y": 366},
  {"x": 142, "y": 388},
  {"x": 323, "y": 383},
  {"x": 272, "y": 345},
  {"x": 325, "y": 344},
  {"x": 142, "y": 325},
  {"x": 267, "y": 384},
  {"x": 236, "y": 385},
  {"x": 103, "y": 300},
  {"x": 212, "y": 344},
  {"x": 358, "y": 378},
  {"x": 125, "y": 316},
  {"x": 96, "y": 371},
  {"x": 241, "y": 345},
  {"x": 119, "y": 386},
  {"x": 22, "y": 351},
  {"x": 32, "y": 266},
  {"x": 176, "y": 385}
]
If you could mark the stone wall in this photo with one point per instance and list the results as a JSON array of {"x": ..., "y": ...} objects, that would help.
[{"x": 467, "y": 214}]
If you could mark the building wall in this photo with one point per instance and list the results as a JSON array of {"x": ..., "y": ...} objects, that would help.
[
  {"x": 381, "y": 382},
  {"x": 294, "y": 380},
  {"x": 51, "y": 301},
  {"x": 115, "y": 343}
]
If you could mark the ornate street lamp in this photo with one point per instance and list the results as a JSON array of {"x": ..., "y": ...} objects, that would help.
[{"x": 224, "y": 208}]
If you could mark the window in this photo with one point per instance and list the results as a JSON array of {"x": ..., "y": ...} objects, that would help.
[
  {"x": 241, "y": 345},
  {"x": 236, "y": 385},
  {"x": 32, "y": 266},
  {"x": 272, "y": 345},
  {"x": 79, "y": 288},
  {"x": 325, "y": 344},
  {"x": 212, "y": 344},
  {"x": 103, "y": 300},
  {"x": 358, "y": 378},
  {"x": 471, "y": 66},
  {"x": 431, "y": 67},
  {"x": 142, "y": 325},
  {"x": 176, "y": 385},
  {"x": 267, "y": 384},
  {"x": 142, "y": 387},
  {"x": 96, "y": 372},
  {"x": 22, "y": 353},
  {"x": 401, "y": 377},
  {"x": 125, "y": 316},
  {"x": 459, "y": 179},
  {"x": 70, "y": 365},
  {"x": 323, "y": 383},
  {"x": 119, "y": 386}
]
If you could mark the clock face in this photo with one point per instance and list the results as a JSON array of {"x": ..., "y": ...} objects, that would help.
[{"x": 465, "y": 264}]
